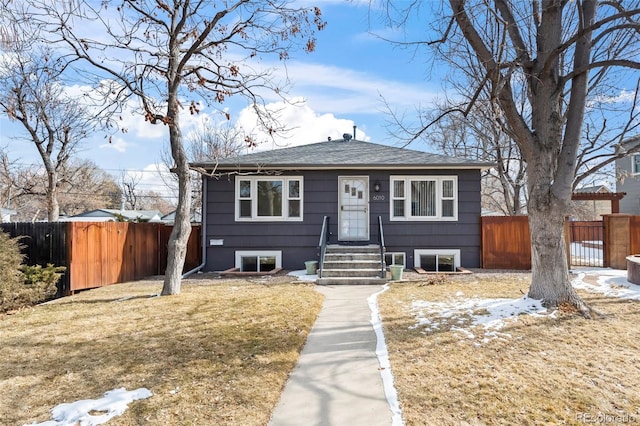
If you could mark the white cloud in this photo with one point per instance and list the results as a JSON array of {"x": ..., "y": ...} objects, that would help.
[
  {"x": 303, "y": 125},
  {"x": 154, "y": 177},
  {"x": 117, "y": 144},
  {"x": 343, "y": 90}
]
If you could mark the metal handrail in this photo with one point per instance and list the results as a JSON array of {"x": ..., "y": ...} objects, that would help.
[
  {"x": 322, "y": 244},
  {"x": 382, "y": 247}
]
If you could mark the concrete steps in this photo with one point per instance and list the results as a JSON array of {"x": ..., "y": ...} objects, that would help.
[{"x": 355, "y": 265}]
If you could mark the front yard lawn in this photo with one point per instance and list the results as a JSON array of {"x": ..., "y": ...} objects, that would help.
[
  {"x": 219, "y": 353},
  {"x": 540, "y": 369}
]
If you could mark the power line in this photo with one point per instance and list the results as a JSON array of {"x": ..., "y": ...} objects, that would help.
[{"x": 100, "y": 168}]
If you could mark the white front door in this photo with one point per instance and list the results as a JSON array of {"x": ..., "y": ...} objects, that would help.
[{"x": 353, "y": 213}]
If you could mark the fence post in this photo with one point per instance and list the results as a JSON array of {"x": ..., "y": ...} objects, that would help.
[
  {"x": 567, "y": 241},
  {"x": 616, "y": 240}
]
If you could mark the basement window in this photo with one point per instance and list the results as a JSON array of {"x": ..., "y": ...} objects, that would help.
[
  {"x": 258, "y": 261},
  {"x": 437, "y": 260}
]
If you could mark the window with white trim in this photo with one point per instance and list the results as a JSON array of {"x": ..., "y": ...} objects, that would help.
[
  {"x": 424, "y": 198},
  {"x": 258, "y": 261},
  {"x": 394, "y": 258},
  {"x": 635, "y": 164},
  {"x": 260, "y": 198},
  {"x": 445, "y": 260}
]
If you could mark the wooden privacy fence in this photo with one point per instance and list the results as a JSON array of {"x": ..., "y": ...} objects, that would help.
[
  {"x": 101, "y": 253},
  {"x": 591, "y": 230},
  {"x": 506, "y": 242},
  {"x": 42, "y": 243}
]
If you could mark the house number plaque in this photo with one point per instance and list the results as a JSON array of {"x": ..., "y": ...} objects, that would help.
[{"x": 378, "y": 197}]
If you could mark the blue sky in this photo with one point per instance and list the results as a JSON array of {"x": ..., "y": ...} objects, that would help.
[{"x": 341, "y": 84}]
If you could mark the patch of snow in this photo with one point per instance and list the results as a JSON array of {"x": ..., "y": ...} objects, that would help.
[
  {"x": 491, "y": 314},
  {"x": 383, "y": 359},
  {"x": 114, "y": 403},
  {"x": 610, "y": 282},
  {"x": 302, "y": 275},
  {"x": 587, "y": 253}
]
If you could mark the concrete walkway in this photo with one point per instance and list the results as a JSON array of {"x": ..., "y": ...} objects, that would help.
[{"x": 337, "y": 379}]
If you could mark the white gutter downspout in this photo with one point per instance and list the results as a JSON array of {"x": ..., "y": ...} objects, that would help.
[{"x": 203, "y": 228}]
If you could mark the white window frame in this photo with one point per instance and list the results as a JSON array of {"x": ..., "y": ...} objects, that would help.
[
  {"x": 446, "y": 252},
  {"x": 393, "y": 255},
  {"x": 406, "y": 198},
  {"x": 254, "y": 199},
  {"x": 258, "y": 253},
  {"x": 633, "y": 164}
]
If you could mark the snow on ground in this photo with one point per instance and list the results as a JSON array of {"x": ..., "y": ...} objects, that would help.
[
  {"x": 302, "y": 275},
  {"x": 482, "y": 319},
  {"x": 610, "y": 282},
  {"x": 113, "y": 403},
  {"x": 383, "y": 359},
  {"x": 587, "y": 253},
  {"x": 472, "y": 314}
]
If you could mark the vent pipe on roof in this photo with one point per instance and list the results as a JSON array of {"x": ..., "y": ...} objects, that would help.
[
  {"x": 354, "y": 133},
  {"x": 346, "y": 137}
]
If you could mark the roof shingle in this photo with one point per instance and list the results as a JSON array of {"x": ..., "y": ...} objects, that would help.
[{"x": 341, "y": 154}]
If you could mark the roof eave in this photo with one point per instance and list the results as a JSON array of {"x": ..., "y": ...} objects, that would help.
[{"x": 257, "y": 168}]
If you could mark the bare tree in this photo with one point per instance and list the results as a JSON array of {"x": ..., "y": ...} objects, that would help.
[
  {"x": 31, "y": 92},
  {"x": 84, "y": 187},
  {"x": 564, "y": 57},
  {"x": 129, "y": 182},
  {"x": 168, "y": 56},
  {"x": 212, "y": 142},
  {"x": 152, "y": 200},
  {"x": 478, "y": 135}
]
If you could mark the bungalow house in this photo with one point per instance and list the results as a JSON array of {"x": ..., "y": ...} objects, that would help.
[{"x": 282, "y": 208}]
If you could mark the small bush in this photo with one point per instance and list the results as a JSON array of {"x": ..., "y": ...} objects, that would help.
[{"x": 20, "y": 285}]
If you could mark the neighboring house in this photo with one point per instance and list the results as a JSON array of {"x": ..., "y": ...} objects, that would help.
[
  {"x": 171, "y": 217},
  {"x": 593, "y": 209},
  {"x": 265, "y": 210},
  {"x": 106, "y": 215},
  {"x": 628, "y": 179},
  {"x": 5, "y": 215}
]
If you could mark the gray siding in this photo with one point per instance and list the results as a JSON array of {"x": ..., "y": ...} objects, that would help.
[
  {"x": 630, "y": 184},
  {"x": 298, "y": 241}
]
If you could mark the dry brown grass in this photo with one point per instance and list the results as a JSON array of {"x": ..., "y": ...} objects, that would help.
[
  {"x": 219, "y": 353},
  {"x": 563, "y": 370}
]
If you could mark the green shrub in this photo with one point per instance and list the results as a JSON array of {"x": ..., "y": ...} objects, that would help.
[{"x": 20, "y": 285}]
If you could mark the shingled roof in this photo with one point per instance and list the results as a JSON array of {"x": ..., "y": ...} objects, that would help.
[{"x": 343, "y": 154}]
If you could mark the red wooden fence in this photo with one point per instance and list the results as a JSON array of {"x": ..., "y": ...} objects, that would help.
[
  {"x": 103, "y": 253},
  {"x": 506, "y": 240},
  {"x": 506, "y": 243}
]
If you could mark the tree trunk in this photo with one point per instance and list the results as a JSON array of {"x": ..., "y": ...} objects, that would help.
[
  {"x": 53, "y": 207},
  {"x": 549, "y": 268},
  {"x": 177, "y": 250},
  {"x": 550, "y": 277}
]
